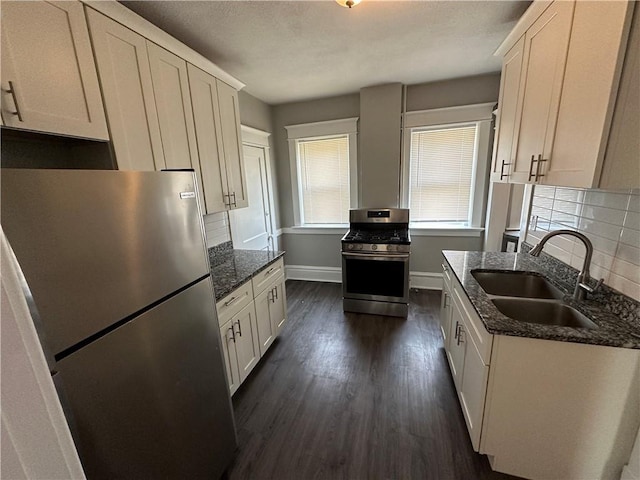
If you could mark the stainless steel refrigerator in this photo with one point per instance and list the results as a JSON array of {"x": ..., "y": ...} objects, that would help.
[{"x": 119, "y": 286}]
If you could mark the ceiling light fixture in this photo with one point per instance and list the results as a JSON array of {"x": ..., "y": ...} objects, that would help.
[{"x": 348, "y": 3}]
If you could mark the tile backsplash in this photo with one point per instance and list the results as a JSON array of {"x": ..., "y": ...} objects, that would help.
[
  {"x": 611, "y": 220},
  {"x": 216, "y": 228}
]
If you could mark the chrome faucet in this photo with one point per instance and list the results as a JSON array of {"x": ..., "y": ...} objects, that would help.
[{"x": 582, "y": 283}]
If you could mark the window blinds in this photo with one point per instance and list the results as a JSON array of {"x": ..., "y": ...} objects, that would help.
[
  {"x": 441, "y": 171},
  {"x": 324, "y": 179}
]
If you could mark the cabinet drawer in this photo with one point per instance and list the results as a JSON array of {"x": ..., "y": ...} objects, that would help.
[
  {"x": 266, "y": 277},
  {"x": 234, "y": 302},
  {"x": 474, "y": 327}
]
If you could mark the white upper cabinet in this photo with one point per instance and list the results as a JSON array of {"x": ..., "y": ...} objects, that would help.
[
  {"x": 561, "y": 132},
  {"x": 508, "y": 101},
  {"x": 596, "y": 56},
  {"x": 123, "y": 66},
  {"x": 49, "y": 81},
  {"x": 173, "y": 103},
  {"x": 232, "y": 144},
  {"x": 206, "y": 114},
  {"x": 545, "y": 53}
]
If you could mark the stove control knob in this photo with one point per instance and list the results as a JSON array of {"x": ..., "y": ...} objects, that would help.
[
  {"x": 359, "y": 246},
  {"x": 390, "y": 248},
  {"x": 374, "y": 247},
  {"x": 350, "y": 246}
]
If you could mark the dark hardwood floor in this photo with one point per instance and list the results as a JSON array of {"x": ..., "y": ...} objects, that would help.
[{"x": 349, "y": 396}]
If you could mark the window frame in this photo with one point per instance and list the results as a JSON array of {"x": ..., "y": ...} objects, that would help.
[
  {"x": 441, "y": 118},
  {"x": 319, "y": 131}
]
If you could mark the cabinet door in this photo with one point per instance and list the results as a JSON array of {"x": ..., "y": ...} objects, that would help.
[
  {"x": 598, "y": 43},
  {"x": 456, "y": 352},
  {"x": 545, "y": 54},
  {"x": 473, "y": 392},
  {"x": 445, "y": 315},
  {"x": 123, "y": 66},
  {"x": 173, "y": 102},
  {"x": 247, "y": 347},
  {"x": 49, "y": 81},
  {"x": 506, "y": 133},
  {"x": 206, "y": 115},
  {"x": 232, "y": 143},
  {"x": 278, "y": 308},
  {"x": 266, "y": 330},
  {"x": 229, "y": 352}
]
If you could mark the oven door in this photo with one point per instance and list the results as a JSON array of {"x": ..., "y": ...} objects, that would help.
[{"x": 376, "y": 276}]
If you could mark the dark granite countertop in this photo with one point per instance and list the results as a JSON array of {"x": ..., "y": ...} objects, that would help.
[
  {"x": 617, "y": 316},
  {"x": 231, "y": 268}
]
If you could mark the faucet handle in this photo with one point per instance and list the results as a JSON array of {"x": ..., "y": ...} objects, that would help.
[{"x": 586, "y": 287}]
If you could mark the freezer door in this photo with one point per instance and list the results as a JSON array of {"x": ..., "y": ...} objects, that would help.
[
  {"x": 97, "y": 246},
  {"x": 150, "y": 399}
]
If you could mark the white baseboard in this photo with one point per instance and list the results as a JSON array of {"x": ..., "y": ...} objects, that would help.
[
  {"x": 421, "y": 280},
  {"x": 313, "y": 274},
  {"x": 425, "y": 280}
]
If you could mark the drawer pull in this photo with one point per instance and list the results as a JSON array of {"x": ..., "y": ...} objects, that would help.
[
  {"x": 502, "y": 174},
  {"x": 12, "y": 91},
  {"x": 229, "y": 302},
  {"x": 275, "y": 293},
  {"x": 239, "y": 328},
  {"x": 531, "y": 173},
  {"x": 444, "y": 268},
  {"x": 270, "y": 270},
  {"x": 233, "y": 334}
]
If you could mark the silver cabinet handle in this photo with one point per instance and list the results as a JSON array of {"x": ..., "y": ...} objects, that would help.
[
  {"x": 446, "y": 299},
  {"x": 233, "y": 334},
  {"x": 531, "y": 172},
  {"x": 502, "y": 174},
  {"x": 229, "y": 302},
  {"x": 457, "y": 330},
  {"x": 270, "y": 270},
  {"x": 269, "y": 298},
  {"x": 239, "y": 328},
  {"x": 275, "y": 292},
  {"x": 459, "y": 337},
  {"x": 12, "y": 91},
  {"x": 444, "y": 267},
  {"x": 538, "y": 163},
  {"x": 227, "y": 203},
  {"x": 233, "y": 194}
]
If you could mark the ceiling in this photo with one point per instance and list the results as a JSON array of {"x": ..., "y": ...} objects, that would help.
[{"x": 288, "y": 51}]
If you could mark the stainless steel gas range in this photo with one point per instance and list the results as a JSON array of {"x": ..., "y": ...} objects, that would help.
[{"x": 375, "y": 262}]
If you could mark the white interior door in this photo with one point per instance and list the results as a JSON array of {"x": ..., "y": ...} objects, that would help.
[{"x": 251, "y": 226}]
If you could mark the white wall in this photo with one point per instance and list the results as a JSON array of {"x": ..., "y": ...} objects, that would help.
[{"x": 611, "y": 220}]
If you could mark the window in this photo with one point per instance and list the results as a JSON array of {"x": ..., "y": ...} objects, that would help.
[
  {"x": 323, "y": 159},
  {"x": 441, "y": 163},
  {"x": 445, "y": 166},
  {"x": 323, "y": 166}
]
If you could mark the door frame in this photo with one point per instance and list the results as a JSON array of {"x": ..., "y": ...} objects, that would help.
[{"x": 253, "y": 137}]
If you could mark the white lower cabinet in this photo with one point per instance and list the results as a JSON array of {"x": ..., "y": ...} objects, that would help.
[
  {"x": 542, "y": 408},
  {"x": 248, "y": 324},
  {"x": 468, "y": 352}
]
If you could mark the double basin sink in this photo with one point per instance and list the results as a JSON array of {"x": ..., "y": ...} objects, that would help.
[{"x": 529, "y": 297}]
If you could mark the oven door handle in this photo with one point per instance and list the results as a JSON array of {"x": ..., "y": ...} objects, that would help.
[{"x": 376, "y": 255}]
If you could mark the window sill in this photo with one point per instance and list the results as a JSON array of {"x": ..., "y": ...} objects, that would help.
[
  {"x": 328, "y": 229},
  {"x": 444, "y": 230}
]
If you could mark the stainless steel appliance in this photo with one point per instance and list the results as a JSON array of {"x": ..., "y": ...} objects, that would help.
[
  {"x": 118, "y": 273},
  {"x": 375, "y": 262}
]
